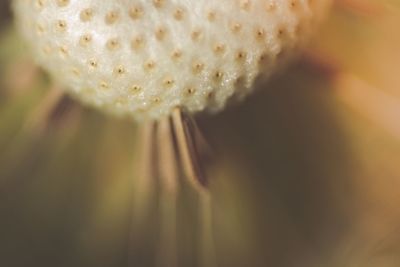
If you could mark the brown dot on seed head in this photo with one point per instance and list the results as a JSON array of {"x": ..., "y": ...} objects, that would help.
[
  {"x": 176, "y": 54},
  {"x": 93, "y": 63},
  {"x": 149, "y": 65},
  {"x": 85, "y": 39},
  {"x": 136, "y": 12},
  {"x": 61, "y": 25},
  {"x": 189, "y": 91},
  {"x": 262, "y": 58},
  {"x": 156, "y": 100},
  {"x": 270, "y": 6},
  {"x": 195, "y": 35},
  {"x": 75, "y": 71},
  {"x": 104, "y": 85},
  {"x": 112, "y": 17},
  {"x": 62, "y": 3},
  {"x": 178, "y": 14},
  {"x": 113, "y": 44},
  {"x": 281, "y": 32},
  {"x": 260, "y": 34},
  {"x": 40, "y": 3},
  {"x": 245, "y": 4},
  {"x": 40, "y": 29},
  {"x": 219, "y": 48},
  {"x": 119, "y": 70},
  {"x": 158, "y": 3},
  {"x": 197, "y": 67},
  {"x": 236, "y": 27},
  {"x": 211, "y": 15},
  {"x": 168, "y": 82},
  {"x": 64, "y": 51},
  {"x": 240, "y": 55},
  {"x": 135, "y": 89},
  {"x": 86, "y": 14},
  {"x": 218, "y": 75},
  {"x": 137, "y": 43},
  {"x": 160, "y": 33}
]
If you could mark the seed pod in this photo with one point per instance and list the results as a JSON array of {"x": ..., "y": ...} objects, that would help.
[{"x": 144, "y": 58}]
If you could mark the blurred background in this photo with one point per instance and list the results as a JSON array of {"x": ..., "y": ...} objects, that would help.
[{"x": 306, "y": 173}]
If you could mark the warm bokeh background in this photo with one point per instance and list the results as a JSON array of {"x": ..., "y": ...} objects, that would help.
[{"x": 307, "y": 173}]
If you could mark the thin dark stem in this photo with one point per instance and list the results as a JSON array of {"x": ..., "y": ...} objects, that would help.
[{"x": 188, "y": 152}]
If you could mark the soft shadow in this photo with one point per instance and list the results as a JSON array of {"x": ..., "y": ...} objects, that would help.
[{"x": 290, "y": 142}]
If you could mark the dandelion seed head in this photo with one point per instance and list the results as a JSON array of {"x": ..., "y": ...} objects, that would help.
[{"x": 209, "y": 44}]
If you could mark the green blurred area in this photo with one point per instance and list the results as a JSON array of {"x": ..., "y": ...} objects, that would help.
[{"x": 300, "y": 179}]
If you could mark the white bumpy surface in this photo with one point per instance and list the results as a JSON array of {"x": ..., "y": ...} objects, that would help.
[{"x": 142, "y": 58}]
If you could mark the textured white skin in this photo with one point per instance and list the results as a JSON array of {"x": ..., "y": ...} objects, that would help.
[{"x": 143, "y": 64}]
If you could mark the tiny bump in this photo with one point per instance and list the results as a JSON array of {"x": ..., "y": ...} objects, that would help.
[
  {"x": 39, "y": 4},
  {"x": 112, "y": 17},
  {"x": 120, "y": 70},
  {"x": 62, "y": 3},
  {"x": 61, "y": 25},
  {"x": 64, "y": 51},
  {"x": 136, "y": 12},
  {"x": 40, "y": 30},
  {"x": 137, "y": 43},
  {"x": 149, "y": 65},
  {"x": 260, "y": 34},
  {"x": 156, "y": 100},
  {"x": 211, "y": 16},
  {"x": 134, "y": 89},
  {"x": 197, "y": 67},
  {"x": 270, "y": 7},
  {"x": 179, "y": 14},
  {"x": 262, "y": 59},
  {"x": 240, "y": 55},
  {"x": 158, "y": 3},
  {"x": 281, "y": 32},
  {"x": 168, "y": 82},
  {"x": 245, "y": 4},
  {"x": 85, "y": 40},
  {"x": 195, "y": 35},
  {"x": 104, "y": 85},
  {"x": 161, "y": 33},
  {"x": 236, "y": 27},
  {"x": 76, "y": 72},
  {"x": 177, "y": 54},
  {"x": 218, "y": 75},
  {"x": 93, "y": 63},
  {"x": 219, "y": 48},
  {"x": 190, "y": 91},
  {"x": 113, "y": 44},
  {"x": 86, "y": 15}
]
